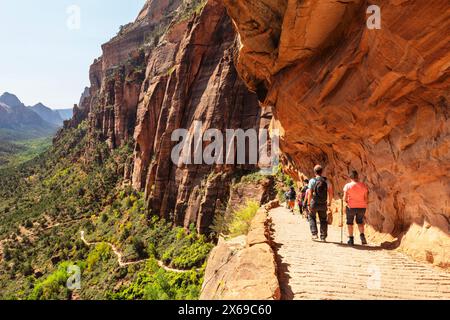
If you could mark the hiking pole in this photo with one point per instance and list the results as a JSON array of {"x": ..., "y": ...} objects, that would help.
[{"x": 342, "y": 220}]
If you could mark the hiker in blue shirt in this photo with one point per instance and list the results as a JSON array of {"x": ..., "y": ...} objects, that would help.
[{"x": 319, "y": 200}]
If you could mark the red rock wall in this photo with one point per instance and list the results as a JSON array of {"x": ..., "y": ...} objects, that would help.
[
  {"x": 245, "y": 267},
  {"x": 144, "y": 89},
  {"x": 372, "y": 100},
  {"x": 191, "y": 77}
]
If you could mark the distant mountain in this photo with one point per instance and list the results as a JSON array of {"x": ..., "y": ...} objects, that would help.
[
  {"x": 11, "y": 100},
  {"x": 65, "y": 114},
  {"x": 53, "y": 116},
  {"x": 48, "y": 114},
  {"x": 18, "y": 122},
  {"x": 4, "y": 107}
]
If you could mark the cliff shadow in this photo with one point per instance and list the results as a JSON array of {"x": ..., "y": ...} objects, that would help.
[
  {"x": 398, "y": 233},
  {"x": 282, "y": 271},
  {"x": 400, "y": 229},
  {"x": 358, "y": 246}
]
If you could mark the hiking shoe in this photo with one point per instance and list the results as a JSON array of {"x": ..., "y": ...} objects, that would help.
[
  {"x": 315, "y": 237},
  {"x": 363, "y": 239},
  {"x": 351, "y": 241},
  {"x": 323, "y": 239}
]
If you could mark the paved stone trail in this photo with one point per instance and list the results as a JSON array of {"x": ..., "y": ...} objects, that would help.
[{"x": 316, "y": 270}]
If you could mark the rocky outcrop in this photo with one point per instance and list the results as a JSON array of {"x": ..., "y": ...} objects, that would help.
[
  {"x": 116, "y": 77},
  {"x": 260, "y": 190},
  {"x": 244, "y": 268},
  {"x": 354, "y": 98},
  {"x": 190, "y": 77},
  {"x": 172, "y": 67}
]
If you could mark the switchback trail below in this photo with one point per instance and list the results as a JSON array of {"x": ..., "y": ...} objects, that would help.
[
  {"x": 316, "y": 270},
  {"x": 129, "y": 263}
]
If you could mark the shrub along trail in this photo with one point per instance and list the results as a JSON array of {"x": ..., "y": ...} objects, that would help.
[
  {"x": 316, "y": 270},
  {"x": 32, "y": 232},
  {"x": 128, "y": 263}
]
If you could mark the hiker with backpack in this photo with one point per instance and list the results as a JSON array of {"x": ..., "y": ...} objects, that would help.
[
  {"x": 290, "y": 198},
  {"x": 306, "y": 204},
  {"x": 356, "y": 195},
  {"x": 302, "y": 200},
  {"x": 319, "y": 200}
]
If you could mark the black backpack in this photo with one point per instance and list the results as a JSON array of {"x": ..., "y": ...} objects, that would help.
[
  {"x": 320, "y": 193},
  {"x": 292, "y": 195}
]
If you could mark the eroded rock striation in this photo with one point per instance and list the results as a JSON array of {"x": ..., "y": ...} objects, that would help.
[
  {"x": 353, "y": 98},
  {"x": 170, "y": 68}
]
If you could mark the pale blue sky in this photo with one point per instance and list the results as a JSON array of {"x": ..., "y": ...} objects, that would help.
[{"x": 42, "y": 59}]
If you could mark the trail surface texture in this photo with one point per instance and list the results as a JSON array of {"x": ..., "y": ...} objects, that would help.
[{"x": 331, "y": 270}]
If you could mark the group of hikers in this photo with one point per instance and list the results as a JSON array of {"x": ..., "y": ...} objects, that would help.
[{"x": 315, "y": 199}]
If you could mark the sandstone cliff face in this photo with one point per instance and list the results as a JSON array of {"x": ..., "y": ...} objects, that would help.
[
  {"x": 190, "y": 78},
  {"x": 117, "y": 76},
  {"x": 350, "y": 97},
  {"x": 244, "y": 268},
  {"x": 171, "y": 67}
]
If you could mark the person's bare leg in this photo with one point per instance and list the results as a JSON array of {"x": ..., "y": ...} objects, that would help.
[
  {"x": 361, "y": 234},
  {"x": 351, "y": 240},
  {"x": 350, "y": 230},
  {"x": 361, "y": 228}
]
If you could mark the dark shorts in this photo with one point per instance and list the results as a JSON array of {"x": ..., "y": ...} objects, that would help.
[{"x": 355, "y": 212}]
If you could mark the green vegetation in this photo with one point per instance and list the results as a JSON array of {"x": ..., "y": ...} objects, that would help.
[
  {"x": 56, "y": 186},
  {"x": 171, "y": 70},
  {"x": 189, "y": 8},
  {"x": 101, "y": 252},
  {"x": 284, "y": 178},
  {"x": 233, "y": 223},
  {"x": 123, "y": 28},
  {"x": 283, "y": 182},
  {"x": 135, "y": 67},
  {"x": 78, "y": 185},
  {"x": 51, "y": 192},
  {"x": 128, "y": 225},
  {"x": 237, "y": 223},
  {"x": 242, "y": 218},
  {"x": 54, "y": 286},
  {"x": 27, "y": 133},
  {"x": 154, "y": 283},
  {"x": 253, "y": 178},
  {"x": 18, "y": 152}
]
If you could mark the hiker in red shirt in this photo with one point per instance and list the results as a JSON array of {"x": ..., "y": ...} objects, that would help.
[{"x": 356, "y": 195}]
